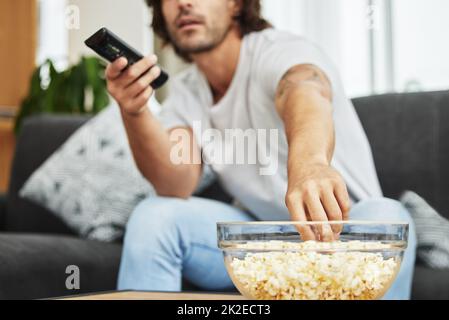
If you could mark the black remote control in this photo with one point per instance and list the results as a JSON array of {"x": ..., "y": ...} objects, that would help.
[{"x": 111, "y": 47}]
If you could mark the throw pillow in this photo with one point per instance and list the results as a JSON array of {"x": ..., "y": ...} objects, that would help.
[
  {"x": 91, "y": 182},
  {"x": 432, "y": 231}
]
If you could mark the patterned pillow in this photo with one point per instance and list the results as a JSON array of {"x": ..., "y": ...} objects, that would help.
[
  {"x": 432, "y": 230},
  {"x": 91, "y": 182}
]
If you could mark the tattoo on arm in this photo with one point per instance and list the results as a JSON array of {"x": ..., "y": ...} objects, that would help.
[{"x": 304, "y": 75}]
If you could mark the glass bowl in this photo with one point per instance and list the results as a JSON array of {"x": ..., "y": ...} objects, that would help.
[{"x": 270, "y": 261}]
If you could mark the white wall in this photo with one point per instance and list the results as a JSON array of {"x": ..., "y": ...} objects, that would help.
[
  {"x": 342, "y": 28},
  {"x": 127, "y": 18}
]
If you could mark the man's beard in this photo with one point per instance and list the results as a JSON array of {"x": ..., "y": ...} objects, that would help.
[{"x": 216, "y": 40}]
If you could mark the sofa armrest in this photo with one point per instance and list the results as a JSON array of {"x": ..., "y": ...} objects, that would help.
[
  {"x": 39, "y": 137},
  {"x": 430, "y": 284},
  {"x": 2, "y": 211},
  {"x": 33, "y": 266}
]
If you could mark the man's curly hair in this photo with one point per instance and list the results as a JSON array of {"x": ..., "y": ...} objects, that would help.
[{"x": 250, "y": 19}]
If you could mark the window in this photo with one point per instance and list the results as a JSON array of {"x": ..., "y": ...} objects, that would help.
[
  {"x": 52, "y": 34},
  {"x": 421, "y": 51},
  {"x": 378, "y": 45}
]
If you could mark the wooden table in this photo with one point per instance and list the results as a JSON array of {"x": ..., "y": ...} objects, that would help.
[{"x": 139, "y": 295}]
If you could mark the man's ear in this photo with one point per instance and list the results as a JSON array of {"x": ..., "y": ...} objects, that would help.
[{"x": 236, "y": 7}]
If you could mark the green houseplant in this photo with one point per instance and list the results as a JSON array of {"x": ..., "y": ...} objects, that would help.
[{"x": 81, "y": 89}]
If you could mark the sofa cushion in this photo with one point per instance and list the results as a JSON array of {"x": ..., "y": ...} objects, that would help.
[
  {"x": 34, "y": 266},
  {"x": 40, "y": 136},
  {"x": 2, "y": 211},
  {"x": 408, "y": 135},
  {"x": 92, "y": 182}
]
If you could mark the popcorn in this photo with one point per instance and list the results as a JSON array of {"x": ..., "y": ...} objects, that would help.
[{"x": 313, "y": 270}]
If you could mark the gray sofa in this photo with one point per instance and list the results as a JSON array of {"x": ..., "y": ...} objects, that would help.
[{"x": 408, "y": 137}]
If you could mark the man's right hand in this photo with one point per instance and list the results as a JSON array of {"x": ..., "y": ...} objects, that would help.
[{"x": 131, "y": 87}]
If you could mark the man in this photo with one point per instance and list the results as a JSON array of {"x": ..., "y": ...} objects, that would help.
[{"x": 245, "y": 76}]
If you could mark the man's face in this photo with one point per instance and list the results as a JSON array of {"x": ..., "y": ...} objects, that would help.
[{"x": 197, "y": 26}]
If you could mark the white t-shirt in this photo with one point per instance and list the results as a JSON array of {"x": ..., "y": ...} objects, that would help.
[{"x": 249, "y": 104}]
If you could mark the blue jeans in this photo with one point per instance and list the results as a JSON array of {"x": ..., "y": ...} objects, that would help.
[{"x": 169, "y": 239}]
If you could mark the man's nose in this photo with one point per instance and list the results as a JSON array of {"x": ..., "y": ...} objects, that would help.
[{"x": 186, "y": 4}]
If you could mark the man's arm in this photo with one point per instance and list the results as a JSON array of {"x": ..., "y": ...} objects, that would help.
[
  {"x": 316, "y": 191},
  {"x": 150, "y": 142}
]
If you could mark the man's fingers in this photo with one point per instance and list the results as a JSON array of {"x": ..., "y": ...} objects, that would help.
[
  {"x": 304, "y": 230},
  {"x": 317, "y": 212},
  {"x": 114, "y": 70},
  {"x": 135, "y": 71},
  {"x": 130, "y": 84},
  {"x": 296, "y": 208},
  {"x": 143, "y": 97},
  {"x": 332, "y": 209},
  {"x": 143, "y": 82},
  {"x": 342, "y": 196}
]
